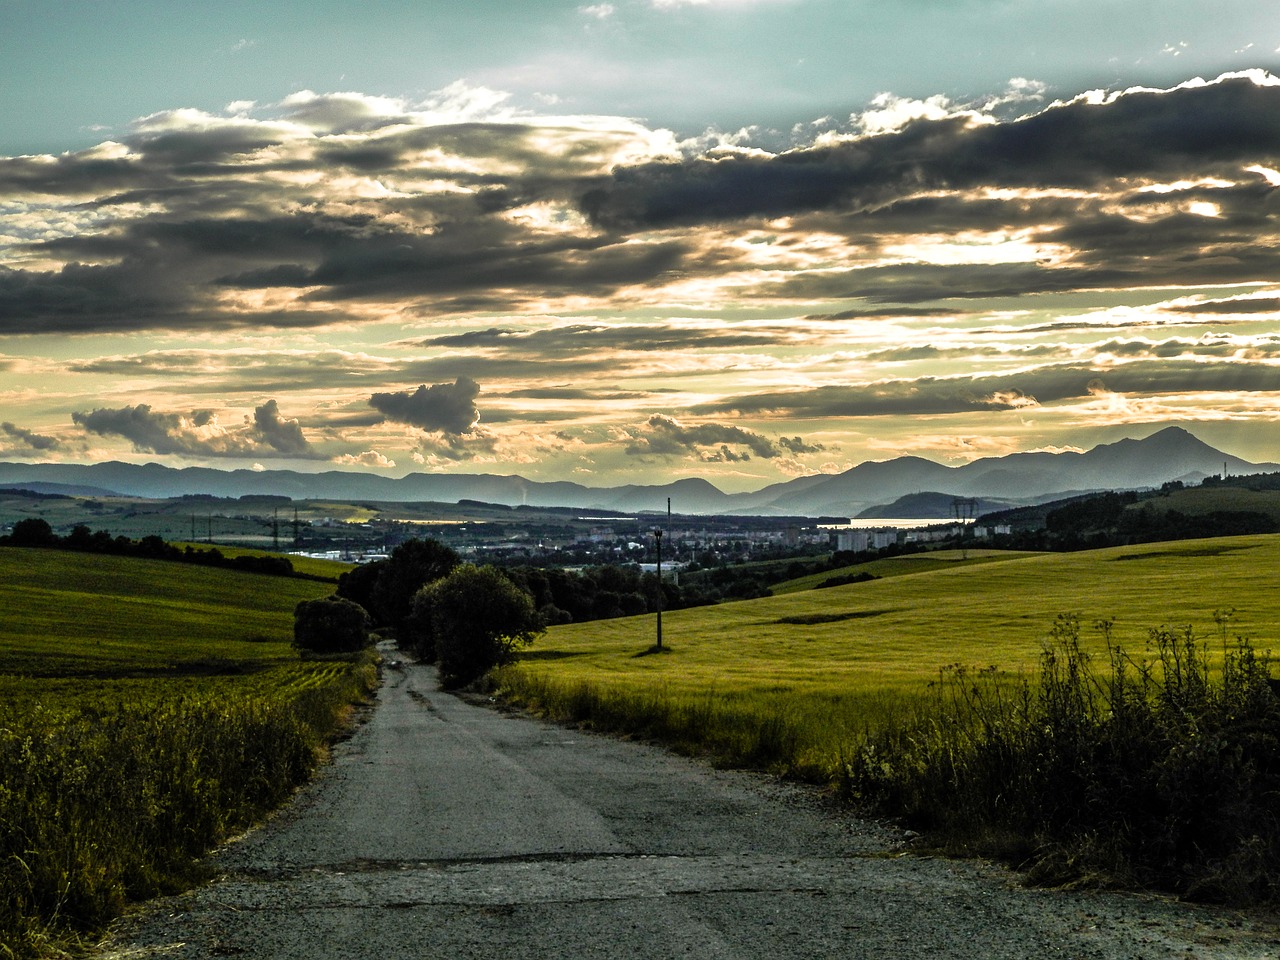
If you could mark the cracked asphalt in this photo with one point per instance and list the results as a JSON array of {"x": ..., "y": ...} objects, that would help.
[{"x": 443, "y": 828}]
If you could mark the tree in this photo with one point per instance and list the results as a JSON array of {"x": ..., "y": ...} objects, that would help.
[
  {"x": 32, "y": 532},
  {"x": 357, "y": 584},
  {"x": 386, "y": 588},
  {"x": 476, "y": 619},
  {"x": 330, "y": 625}
]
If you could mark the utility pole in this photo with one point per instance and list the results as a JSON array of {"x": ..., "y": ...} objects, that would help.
[
  {"x": 275, "y": 530},
  {"x": 657, "y": 536},
  {"x": 965, "y": 511}
]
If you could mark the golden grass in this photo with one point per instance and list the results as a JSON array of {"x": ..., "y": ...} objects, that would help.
[
  {"x": 899, "y": 566},
  {"x": 830, "y": 664}
]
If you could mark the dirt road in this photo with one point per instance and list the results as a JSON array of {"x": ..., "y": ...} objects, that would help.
[{"x": 445, "y": 829}]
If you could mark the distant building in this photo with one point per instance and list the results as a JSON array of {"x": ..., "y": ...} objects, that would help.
[
  {"x": 853, "y": 541},
  {"x": 883, "y": 538}
]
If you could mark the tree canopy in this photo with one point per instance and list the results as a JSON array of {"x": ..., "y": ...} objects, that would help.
[
  {"x": 475, "y": 619},
  {"x": 330, "y": 625}
]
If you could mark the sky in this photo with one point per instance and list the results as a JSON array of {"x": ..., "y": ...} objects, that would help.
[{"x": 631, "y": 242}]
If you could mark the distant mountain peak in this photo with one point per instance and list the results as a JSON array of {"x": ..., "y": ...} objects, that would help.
[{"x": 1171, "y": 453}]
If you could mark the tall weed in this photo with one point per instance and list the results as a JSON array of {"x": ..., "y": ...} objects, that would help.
[
  {"x": 1163, "y": 772},
  {"x": 115, "y": 793}
]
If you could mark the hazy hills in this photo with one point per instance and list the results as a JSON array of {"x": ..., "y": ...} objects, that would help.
[{"x": 1170, "y": 454}]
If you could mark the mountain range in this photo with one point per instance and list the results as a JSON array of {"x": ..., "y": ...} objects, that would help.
[{"x": 1020, "y": 478}]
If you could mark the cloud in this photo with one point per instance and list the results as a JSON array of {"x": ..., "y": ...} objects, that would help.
[
  {"x": 446, "y": 448},
  {"x": 331, "y": 207},
  {"x": 442, "y": 407},
  {"x": 270, "y": 371},
  {"x": 590, "y": 270},
  {"x": 199, "y": 433},
  {"x": 929, "y": 396},
  {"x": 284, "y": 436},
  {"x": 30, "y": 440},
  {"x": 370, "y": 458},
  {"x": 1013, "y": 399},
  {"x": 665, "y": 436},
  {"x": 574, "y": 339},
  {"x": 1232, "y": 306},
  {"x": 1081, "y": 144},
  {"x": 796, "y": 445}
]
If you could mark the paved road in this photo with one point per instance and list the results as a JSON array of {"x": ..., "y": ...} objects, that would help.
[{"x": 445, "y": 829}]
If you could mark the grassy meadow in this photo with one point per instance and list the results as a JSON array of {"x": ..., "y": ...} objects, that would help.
[
  {"x": 307, "y": 566},
  {"x": 148, "y": 710},
  {"x": 78, "y": 613},
  {"x": 796, "y": 681}
]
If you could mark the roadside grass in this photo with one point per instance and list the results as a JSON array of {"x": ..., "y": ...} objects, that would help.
[
  {"x": 147, "y": 711},
  {"x": 802, "y": 683},
  {"x": 1158, "y": 773}
]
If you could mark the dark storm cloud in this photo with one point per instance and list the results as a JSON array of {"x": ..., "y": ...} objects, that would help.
[
  {"x": 1244, "y": 348},
  {"x": 79, "y": 298},
  {"x": 1081, "y": 144},
  {"x": 198, "y": 433},
  {"x": 1243, "y": 306},
  {"x": 796, "y": 445},
  {"x": 573, "y": 393},
  {"x": 937, "y": 395},
  {"x": 910, "y": 283},
  {"x": 575, "y": 338},
  {"x": 220, "y": 213},
  {"x": 448, "y": 408},
  {"x": 492, "y": 273},
  {"x": 84, "y": 174},
  {"x": 883, "y": 313},
  {"x": 152, "y": 431},
  {"x": 346, "y": 203},
  {"x": 28, "y": 439}
]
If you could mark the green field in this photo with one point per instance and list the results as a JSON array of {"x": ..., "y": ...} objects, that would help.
[
  {"x": 307, "y": 566},
  {"x": 817, "y": 668},
  {"x": 77, "y": 613},
  {"x": 148, "y": 710},
  {"x": 898, "y": 566},
  {"x": 1196, "y": 501}
]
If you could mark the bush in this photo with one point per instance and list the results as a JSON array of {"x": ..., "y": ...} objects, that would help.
[
  {"x": 1161, "y": 773},
  {"x": 330, "y": 625},
  {"x": 475, "y": 619}
]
